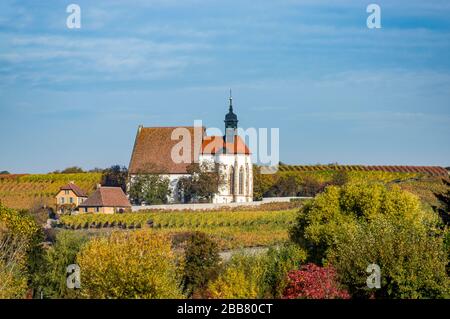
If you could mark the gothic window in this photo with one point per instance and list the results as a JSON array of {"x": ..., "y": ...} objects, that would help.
[
  {"x": 247, "y": 180},
  {"x": 241, "y": 180},
  {"x": 231, "y": 180}
]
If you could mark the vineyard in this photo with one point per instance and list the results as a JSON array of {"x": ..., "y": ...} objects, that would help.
[
  {"x": 25, "y": 191},
  {"x": 428, "y": 170},
  {"x": 230, "y": 229}
]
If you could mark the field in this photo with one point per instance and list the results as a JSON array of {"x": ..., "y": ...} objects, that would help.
[
  {"x": 231, "y": 229},
  {"x": 27, "y": 191}
]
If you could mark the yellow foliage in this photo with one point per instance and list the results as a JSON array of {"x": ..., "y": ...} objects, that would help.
[{"x": 135, "y": 264}]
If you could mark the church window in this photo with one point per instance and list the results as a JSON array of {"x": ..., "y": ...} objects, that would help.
[{"x": 241, "y": 180}]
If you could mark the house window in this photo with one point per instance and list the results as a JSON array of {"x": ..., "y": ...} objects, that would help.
[
  {"x": 71, "y": 200},
  {"x": 97, "y": 209},
  {"x": 85, "y": 209},
  {"x": 62, "y": 200},
  {"x": 66, "y": 192},
  {"x": 241, "y": 180}
]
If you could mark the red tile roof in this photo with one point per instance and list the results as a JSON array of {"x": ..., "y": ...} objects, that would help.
[
  {"x": 217, "y": 145},
  {"x": 153, "y": 147},
  {"x": 74, "y": 188},
  {"x": 107, "y": 197}
]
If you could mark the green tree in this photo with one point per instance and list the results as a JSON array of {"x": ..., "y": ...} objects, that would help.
[
  {"x": 72, "y": 170},
  {"x": 52, "y": 275},
  {"x": 204, "y": 181},
  {"x": 201, "y": 263},
  {"x": 115, "y": 176},
  {"x": 382, "y": 224},
  {"x": 151, "y": 188},
  {"x": 277, "y": 263},
  {"x": 412, "y": 260},
  {"x": 21, "y": 251},
  {"x": 137, "y": 264}
]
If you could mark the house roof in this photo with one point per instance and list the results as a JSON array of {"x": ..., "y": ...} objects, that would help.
[
  {"x": 107, "y": 197},
  {"x": 71, "y": 186},
  {"x": 153, "y": 148},
  {"x": 217, "y": 145}
]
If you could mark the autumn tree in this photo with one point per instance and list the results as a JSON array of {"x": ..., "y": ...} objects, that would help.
[{"x": 204, "y": 181}]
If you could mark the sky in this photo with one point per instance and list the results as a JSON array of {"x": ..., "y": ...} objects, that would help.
[{"x": 337, "y": 90}]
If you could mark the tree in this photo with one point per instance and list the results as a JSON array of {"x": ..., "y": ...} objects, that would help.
[
  {"x": 412, "y": 259},
  {"x": 355, "y": 225},
  {"x": 201, "y": 262},
  {"x": 444, "y": 200},
  {"x": 137, "y": 264},
  {"x": 241, "y": 278},
  {"x": 115, "y": 176},
  {"x": 13, "y": 279},
  {"x": 21, "y": 250},
  {"x": 320, "y": 219},
  {"x": 72, "y": 170},
  {"x": 277, "y": 263},
  {"x": 4, "y": 173},
  {"x": 52, "y": 275},
  {"x": 314, "y": 282},
  {"x": 151, "y": 188},
  {"x": 204, "y": 181}
]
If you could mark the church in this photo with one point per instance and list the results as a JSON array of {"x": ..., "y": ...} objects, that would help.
[{"x": 153, "y": 149}]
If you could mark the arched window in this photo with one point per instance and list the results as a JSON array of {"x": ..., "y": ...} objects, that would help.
[
  {"x": 231, "y": 180},
  {"x": 241, "y": 180},
  {"x": 247, "y": 180}
]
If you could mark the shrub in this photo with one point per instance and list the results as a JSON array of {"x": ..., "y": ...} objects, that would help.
[
  {"x": 135, "y": 264},
  {"x": 52, "y": 275},
  {"x": 277, "y": 263},
  {"x": 355, "y": 225},
  {"x": 21, "y": 250},
  {"x": 241, "y": 278},
  {"x": 201, "y": 262},
  {"x": 338, "y": 208},
  {"x": 13, "y": 279},
  {"x": 412, "y": 259},
  {"x": 314, "y": 282}
]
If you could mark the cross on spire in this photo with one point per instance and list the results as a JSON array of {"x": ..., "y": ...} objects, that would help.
[{"x": 231, "y": 101}]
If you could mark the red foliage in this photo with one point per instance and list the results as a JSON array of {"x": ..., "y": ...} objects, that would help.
[{"x": 314, "y": 282}]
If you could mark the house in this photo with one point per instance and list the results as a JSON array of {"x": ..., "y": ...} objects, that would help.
[
  {"x": 154, "y": 146},
  {"x": 69, "y": 197},
  {"x": 107, "y": 200}
]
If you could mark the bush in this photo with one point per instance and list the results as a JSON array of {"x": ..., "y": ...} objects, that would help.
[
  {"x": 135, "y": 264},
  {"x": 52, "y": 275},
  {"x": 356, "y": 225},
  {"x": 241, "y": 278},
  {"x": 314, "y": 282},
  {"x": 338, "y": 208},
  {"x": 412, "y": 259},
  {"x": 201, "y": 262},
  {"x": 20, "y": 251},
  {"x": 278, "y": 262},
  {"x": 13, "y": 278}
]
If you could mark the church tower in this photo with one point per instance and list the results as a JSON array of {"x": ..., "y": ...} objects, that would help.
[{"x": 231, "y": 123}]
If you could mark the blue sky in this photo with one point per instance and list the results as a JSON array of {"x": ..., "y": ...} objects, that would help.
[{"x": 338, "y": 91}]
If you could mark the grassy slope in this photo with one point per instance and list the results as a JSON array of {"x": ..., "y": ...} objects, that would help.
[{"x": 26, "y": 191}]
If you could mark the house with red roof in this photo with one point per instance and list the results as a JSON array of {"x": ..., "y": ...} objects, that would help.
[
  {"x": 69, "y": 197},
  {"x": 106, "y": 200}
]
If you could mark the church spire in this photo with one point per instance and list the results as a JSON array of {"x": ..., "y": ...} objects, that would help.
[{"x": 231, "y": 123}]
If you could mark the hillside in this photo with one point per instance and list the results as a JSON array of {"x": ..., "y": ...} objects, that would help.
[{"x": 23, "y": 191}]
